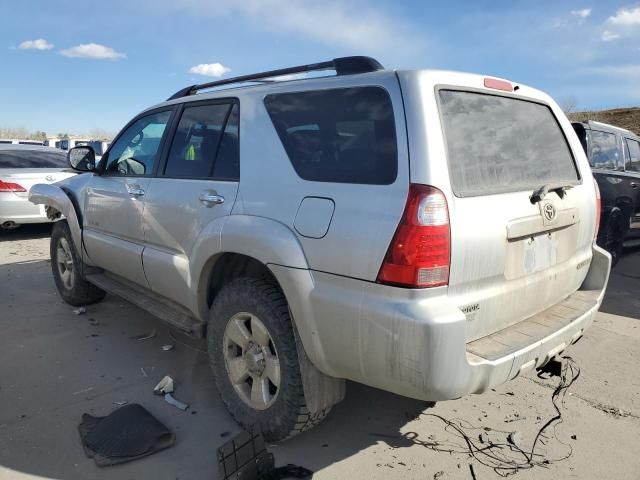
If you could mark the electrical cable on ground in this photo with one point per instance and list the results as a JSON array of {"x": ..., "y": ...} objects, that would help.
[{"x": 507, "y": 458}]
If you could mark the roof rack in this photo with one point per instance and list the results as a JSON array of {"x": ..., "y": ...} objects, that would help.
[{"x": 342, "y": 66}]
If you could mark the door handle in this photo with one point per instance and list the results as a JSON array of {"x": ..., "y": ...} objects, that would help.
[
  {"x": 135, "y": 190},
  {"x": 211, "y": 199},
  {"x": 634, "y": 185}
]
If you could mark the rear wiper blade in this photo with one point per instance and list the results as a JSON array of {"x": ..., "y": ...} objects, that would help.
[{"x": 539, "y": 193}]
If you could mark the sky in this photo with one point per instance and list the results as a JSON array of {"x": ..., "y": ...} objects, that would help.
[{"x": 77, "y": 66}]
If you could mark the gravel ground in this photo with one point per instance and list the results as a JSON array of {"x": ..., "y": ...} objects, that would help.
[{"x": 55, "y": 365}]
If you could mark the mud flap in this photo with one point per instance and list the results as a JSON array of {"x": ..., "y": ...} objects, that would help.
[{"x": 321, "y": 391}]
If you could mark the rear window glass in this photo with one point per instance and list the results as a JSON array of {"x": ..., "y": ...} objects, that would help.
[
  {"x": 344, "y": 135},
  {"x": 32, "y": 159},
  {"x": 499, "y": 144}
]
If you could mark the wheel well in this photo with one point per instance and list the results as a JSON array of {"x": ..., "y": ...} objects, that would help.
[{"x": 232, "y": 265}]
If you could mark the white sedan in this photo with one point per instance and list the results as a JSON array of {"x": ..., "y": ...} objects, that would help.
[{"x": 22, "y": 166}]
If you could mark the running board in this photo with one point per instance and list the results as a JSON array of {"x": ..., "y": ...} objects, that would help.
[{"x": 158, "y": 306}]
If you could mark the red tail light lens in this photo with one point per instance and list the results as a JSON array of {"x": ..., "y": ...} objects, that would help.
[
  {"x": 11, "y": 187},
  {"x": 419, "y": 253},
  {"x": 598, "y": 208}
]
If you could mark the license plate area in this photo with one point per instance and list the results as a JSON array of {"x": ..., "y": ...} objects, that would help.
[{"x": 532, "y": 254}]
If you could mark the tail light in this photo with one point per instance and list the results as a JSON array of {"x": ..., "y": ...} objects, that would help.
[
  {"x": 419, "y": 253},
  {"x": 598, "y": 208},
  {"x": 11, "y": 187}
]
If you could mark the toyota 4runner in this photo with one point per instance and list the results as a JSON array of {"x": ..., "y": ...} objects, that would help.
[{"x": 427, "y": 233}]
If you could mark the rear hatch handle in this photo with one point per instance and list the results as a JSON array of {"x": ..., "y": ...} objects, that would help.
[{"x": 539, "y": 193}]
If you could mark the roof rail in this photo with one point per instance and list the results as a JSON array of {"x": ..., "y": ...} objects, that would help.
[{"x": 342, "y": 66}]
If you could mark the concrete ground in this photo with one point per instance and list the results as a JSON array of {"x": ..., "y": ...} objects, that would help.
[{"x": 55, "y": 366}]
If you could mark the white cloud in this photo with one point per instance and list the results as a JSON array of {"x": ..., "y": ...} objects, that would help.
[
  {"x": 582, "y": 13},
  {"x": 354, "y": 26},
  {"x": 210, "y": 69},
  {"x": 626, "y": 17},
  {"x": 92, "y": 50},
  {"x": 39, "y": 44},
  {"x": 608, "y": 36}
]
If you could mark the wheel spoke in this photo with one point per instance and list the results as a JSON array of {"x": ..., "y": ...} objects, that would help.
[
  {"x": 62, "y": 256},
  {"x": 260, "y": 391},
  {"x": 259, "y": 332},
  {"x": 66, "y": 279},
  {"x": 238, "y": 371},
  {"x": 272, "y": 369},
  {"x": 238, "y": 333}
]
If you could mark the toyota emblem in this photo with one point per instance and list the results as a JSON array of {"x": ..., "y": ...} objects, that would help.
[
  {"x": 49, "y": 178},
  {"x": 549, "y": 212}
]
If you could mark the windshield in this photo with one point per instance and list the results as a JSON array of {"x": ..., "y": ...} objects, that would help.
[
  {"x": 32, "y": 159},
  {"x": 498, "y": 144}
]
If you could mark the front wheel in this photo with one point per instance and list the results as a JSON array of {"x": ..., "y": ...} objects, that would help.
[
  {"x": 253, "y": 355},
  {"x": 67, "y": 268}
]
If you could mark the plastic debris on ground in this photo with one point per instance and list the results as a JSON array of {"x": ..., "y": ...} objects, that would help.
[
  {"x": 167, "y": 348},
  {"x": 126, "y": 434},
  {"x": 176, "y": 403},
  {"x": 245, "y": 457},
  {"x": 145, "y": 336},
  {"x": 164, "y": 386},
  {"x": 80, "y": 310}
]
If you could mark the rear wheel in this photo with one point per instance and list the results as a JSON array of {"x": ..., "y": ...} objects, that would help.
[
  {"x": 253, "y": 355},
  {"x": 67, "y": 268},
  {"x": 611, "y": 237}
]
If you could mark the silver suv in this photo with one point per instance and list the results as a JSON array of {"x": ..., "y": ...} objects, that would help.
[{"x": 427, "y": 233}]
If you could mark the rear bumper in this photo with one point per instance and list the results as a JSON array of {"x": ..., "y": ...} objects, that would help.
[
  {"x": 17, "y": 209},
  {"x": 413, "y": 342}
]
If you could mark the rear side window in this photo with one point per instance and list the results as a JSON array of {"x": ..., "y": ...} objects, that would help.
[
  {"x": 498, "y": 144},
  {"x": 344, "y": 135},
  {"x": 32, "y": 159},
  {"x": 604, "y": 151},
  {"x": 634, "y": 155},
  {"x": 194, "y": 146}
]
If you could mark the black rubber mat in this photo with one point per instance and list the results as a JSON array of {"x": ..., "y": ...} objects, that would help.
[{"x": 126, "y": 434}]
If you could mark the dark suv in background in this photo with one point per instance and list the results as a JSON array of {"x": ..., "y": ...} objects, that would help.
[{"x": 614, "y": 156}]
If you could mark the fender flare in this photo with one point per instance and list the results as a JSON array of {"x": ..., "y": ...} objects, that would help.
[
  {"x": 55, "y": 197},
  {"x": 264, "y": 239}
]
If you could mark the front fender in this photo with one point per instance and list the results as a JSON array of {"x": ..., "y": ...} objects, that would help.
[{"x": 55, "y": 197}]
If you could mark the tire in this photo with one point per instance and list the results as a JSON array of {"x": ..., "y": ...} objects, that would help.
[
  {"x": 67, "y": 268},
  {"x": 258, "y": 306},
  {"x": 611, "y": 237}
]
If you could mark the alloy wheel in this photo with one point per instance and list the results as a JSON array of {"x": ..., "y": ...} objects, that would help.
[{"x": 251, "y": 360}]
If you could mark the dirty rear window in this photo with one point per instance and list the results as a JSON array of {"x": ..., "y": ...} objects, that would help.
[
  {"x": 498, "y": 144},
  {"x": 32, "y": 159},
  {"x": 343, "y": 135}
]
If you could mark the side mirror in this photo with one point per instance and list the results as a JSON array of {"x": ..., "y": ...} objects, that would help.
[{"x": 82, "y": 158}]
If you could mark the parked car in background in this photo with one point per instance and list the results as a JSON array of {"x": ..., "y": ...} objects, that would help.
[
  {"x": 8, "y": 141},
  {"x": 614, "y": 156},
  {"x": 22, "y": 166},
  {"x": 423, "y": 232}
]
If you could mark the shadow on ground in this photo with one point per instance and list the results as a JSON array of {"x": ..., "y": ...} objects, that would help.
[
  {"x": 623, "y": 291},
  {"x": 55, "y": 366},
  {"x": 26, "y": 232}
]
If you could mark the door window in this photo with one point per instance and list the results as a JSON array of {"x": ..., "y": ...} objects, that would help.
[
  {"x": 633, "y": 148},
  {"x": 203, "y": 141},
  {"x": 604, "y": 151},
  {"x": 136, "y": 150}
]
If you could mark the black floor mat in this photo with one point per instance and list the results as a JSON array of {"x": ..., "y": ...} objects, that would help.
[{"x": 126, "y": 434}]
